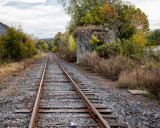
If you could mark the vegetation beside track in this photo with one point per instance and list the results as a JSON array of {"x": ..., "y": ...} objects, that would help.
[
  {"x": 18, "y": 66},
  {"x": 18, "y": 50},
  {"x": 131, "y": 60}
]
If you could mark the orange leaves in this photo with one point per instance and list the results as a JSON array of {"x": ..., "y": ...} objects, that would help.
[
  {"x": 109, "y": 12},
  {"x": 107, "y": 15},
  {"x": 101, "y": 12},
  {"x": 105, "y": 7}
]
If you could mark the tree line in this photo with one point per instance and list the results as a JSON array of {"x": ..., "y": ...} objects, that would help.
[{"x": 16, "y": 45}]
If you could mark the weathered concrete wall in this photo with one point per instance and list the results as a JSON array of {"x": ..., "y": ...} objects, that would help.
[{"x": 83, "y": 36}]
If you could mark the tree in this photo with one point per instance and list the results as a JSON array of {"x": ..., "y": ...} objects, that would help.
[
  {"x": 30, "y": 46},
  {"x": 43, "y": 45},
  {"x": 132, "y": 19},
  {"x": 125, "y": 19},
  {"x": 154, "y": 37},
  {"x": 17, "y": 45},
  {"x": 13, "y": 43},
  {"x": 55, "y": 40},
  {"x": 78, "y": 8},
  {"x": 106, "y": 16}
]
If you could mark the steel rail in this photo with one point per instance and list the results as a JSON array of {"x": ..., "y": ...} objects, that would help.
[
  {"x": 91, "y": 108},
  {"x": 32, "y": 123}
]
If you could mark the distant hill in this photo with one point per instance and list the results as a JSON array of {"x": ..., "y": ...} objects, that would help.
[{"x": 48, "y": 40}]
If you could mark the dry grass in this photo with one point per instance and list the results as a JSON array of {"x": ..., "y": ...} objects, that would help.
[
  {"x": 131, "y": 79},
  {"x": 110, "y": 68},
  {"x": 15, "y": 67},
  {"x": 129, "y": 73},
  {"x": 67, "y": 56},
  {"x": 141, "y": 78}
]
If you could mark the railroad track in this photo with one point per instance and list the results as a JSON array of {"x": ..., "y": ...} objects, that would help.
[{"x": 61, "y": 103}]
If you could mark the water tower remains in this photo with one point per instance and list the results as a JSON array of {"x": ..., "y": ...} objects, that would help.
[{"x": 83, "y": 36}]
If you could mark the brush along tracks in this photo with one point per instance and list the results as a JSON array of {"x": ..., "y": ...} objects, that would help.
[{"x": 61, "y": 102}]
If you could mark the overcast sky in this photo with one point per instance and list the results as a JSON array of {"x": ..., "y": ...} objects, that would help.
[{"x": 44, "y": 18}]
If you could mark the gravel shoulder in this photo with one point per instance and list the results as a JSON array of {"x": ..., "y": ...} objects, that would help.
[
  {"x": 136, "y": 111},
  {"x": 14, "y": 90}
]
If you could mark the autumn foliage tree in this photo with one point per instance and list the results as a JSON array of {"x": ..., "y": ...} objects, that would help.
[
  {"x": 107, "y": 16},
  {"x": 125, "y": 19}
]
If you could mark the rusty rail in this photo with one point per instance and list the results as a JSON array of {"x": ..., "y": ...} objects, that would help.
[
  {"x": 32, "y": 123},
  {"x": 95, "y": 114},
  {"x": 91, "y": 108}
]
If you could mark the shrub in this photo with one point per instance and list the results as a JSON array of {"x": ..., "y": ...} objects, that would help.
[
  {"x": 134, "y": 46},
  {"x": 101, "y": 48},
  {"x": 54, "y": 49},
  {"x": 154, "y": 37},
  {"x": 126, "y": 47},
  {"x": 140, "y": 41},
  {"x": 94, "y": 40},
  {"x": 115, "y": 65},
  {"x": 111, "y": 50},
  {"x": 110, "y": 68},
  {"x": 130, "y": 74}
]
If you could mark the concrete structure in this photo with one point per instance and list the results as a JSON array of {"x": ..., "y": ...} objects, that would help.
[
  {"x": 83, "y": 35},
  {"x": 3, "y": 28}
]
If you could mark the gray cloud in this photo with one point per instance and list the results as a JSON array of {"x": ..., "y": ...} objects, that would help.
[
  {"x": 28, "y": 5},
  {"x": 43, "y": 18},
  {"x": 21, "y": 5}
]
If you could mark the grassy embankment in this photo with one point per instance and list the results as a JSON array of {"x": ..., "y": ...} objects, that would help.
[
  {"x": 127, "y": 73},
  {"x": 18, "y": 66}
]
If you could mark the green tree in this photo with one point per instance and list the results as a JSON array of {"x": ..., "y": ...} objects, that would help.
[
  {"x": 30, "y": 46},
  {"x": 131, "y": 19},
  {"x": 56, "y": 39},
  {"x": 13, "y": 43},
  {"x": 154, "y": 37},
  {"x": 17, "y": 44},
  {"x": 43, "y": 45}
]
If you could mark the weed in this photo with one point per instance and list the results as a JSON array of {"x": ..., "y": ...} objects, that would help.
[
  {"x": 14, "y": 67},
  {"x": 149, "y": 96},
  {"x": 131, "y": 74},
  {"x": 142, "y": 78},
  {"x": 110, "y": 68}
]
